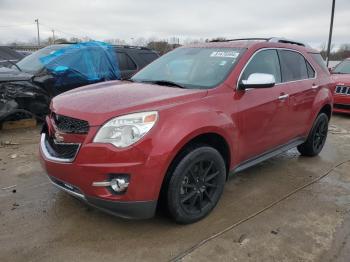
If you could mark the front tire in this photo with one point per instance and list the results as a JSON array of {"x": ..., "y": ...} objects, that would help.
[
  {"x": 196, "y": 185},
  {"x": 317, "y": 137}
]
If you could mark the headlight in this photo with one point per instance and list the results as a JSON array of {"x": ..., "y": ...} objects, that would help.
[{"x": 124, "y": 131}]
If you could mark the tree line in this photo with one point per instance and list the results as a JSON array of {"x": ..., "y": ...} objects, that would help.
[{"x": 163, "y": 46}]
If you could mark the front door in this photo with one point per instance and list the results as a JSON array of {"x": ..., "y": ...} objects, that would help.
[{"x": 263, "y": 112}]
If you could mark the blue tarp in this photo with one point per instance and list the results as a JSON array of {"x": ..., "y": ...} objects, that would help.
[{"x": 87, "y": 62}]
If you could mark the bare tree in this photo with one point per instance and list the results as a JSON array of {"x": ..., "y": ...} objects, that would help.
[{"x": 140, "y": 41}]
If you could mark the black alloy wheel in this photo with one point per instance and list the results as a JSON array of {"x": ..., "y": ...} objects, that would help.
[
  {"x": 196, "y": 185},
  {"x": 199, "y": 186},
  {"x": 317, "y": 137},
  {"x": 320, "y": 135}
]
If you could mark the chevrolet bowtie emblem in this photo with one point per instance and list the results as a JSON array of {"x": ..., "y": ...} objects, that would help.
[{"x": 58, "y": 138}]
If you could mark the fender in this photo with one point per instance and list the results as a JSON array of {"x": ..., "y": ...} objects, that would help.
[{"x": 323, "y": 97}]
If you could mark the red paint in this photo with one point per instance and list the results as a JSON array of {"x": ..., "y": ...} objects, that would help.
[{"x": 341, "y": 99}]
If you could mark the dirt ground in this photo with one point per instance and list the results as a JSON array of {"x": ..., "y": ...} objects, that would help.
[{"x": 289, "y": 208}]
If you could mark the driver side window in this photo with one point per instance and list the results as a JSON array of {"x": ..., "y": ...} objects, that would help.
[{"x": 265, "y": 62}]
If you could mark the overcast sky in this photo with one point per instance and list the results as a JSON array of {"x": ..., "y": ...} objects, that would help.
[{"x": 305, "y": 20}]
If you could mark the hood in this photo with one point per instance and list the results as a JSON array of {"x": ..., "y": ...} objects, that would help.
[
  {"x": 99, "y": 102},
  {"x": 9, "y": 74},
  {"x": 341, "y": 79}
]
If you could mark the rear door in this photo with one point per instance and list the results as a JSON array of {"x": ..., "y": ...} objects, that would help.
[
  {"x": 263, "y": 112},
  {"x": 300, "y": 79}
]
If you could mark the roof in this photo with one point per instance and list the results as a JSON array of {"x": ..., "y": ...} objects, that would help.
[
  {"x": 253, "y": 42},
  {"x": 115, "y": 46}
]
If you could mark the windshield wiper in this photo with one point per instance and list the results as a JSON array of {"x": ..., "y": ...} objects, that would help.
[
  {"x": 12, "y": 63},
  {"x": 165, "y": 83}
]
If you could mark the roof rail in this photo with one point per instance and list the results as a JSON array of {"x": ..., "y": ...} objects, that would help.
[
  {"x": 132, "y": 47},
  {"x": 285, "y": 41},
  {"x": 241, "y": 39},
  {"x": 269, "y": 39}
]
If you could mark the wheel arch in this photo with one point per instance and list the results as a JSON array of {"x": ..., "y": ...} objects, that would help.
[
  {"x": 213, "y": 139},
  {"x": 327, "y": 109}
]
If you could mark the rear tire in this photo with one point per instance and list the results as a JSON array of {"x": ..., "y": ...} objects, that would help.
[
  {"x": 317, "y": 137},
  {"x": 196, "y": 184}
]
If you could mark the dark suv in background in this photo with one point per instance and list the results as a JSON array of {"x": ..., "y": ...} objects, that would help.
[
  {"x": 132, "y": 59},
  {"x": 27, "y": 86}
]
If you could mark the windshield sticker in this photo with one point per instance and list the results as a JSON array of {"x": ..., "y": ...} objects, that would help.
[{"x": 228, "y": 54}]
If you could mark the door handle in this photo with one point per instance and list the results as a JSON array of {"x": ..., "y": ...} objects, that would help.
[
  {"x": 315, "y": 86},
  {"x": 283, "y": 97}
]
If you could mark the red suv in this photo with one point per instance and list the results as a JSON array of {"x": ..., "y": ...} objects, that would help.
[
  {"x": 180, "y": 125},
  {"x": 341, "y": 76}
]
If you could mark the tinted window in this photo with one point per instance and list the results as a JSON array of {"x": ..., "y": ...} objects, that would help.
[
  {"x": 148, "y": 57},
  {"x": 319, "y": 60},
  {"x": 293, "y": 66},
  {"x": 310, "y": 70},
  {"x": 266, "y": 62},
  {"x": 125, "y": 62}
]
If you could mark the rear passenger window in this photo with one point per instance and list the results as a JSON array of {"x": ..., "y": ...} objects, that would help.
[
  {"x": 148, "y": 57},
  {"x": 125, "y": 62},
  {"x": 293, "y": 66},
  {"x": 319, "y": 60},
  {"x": 265, "y": 62},
  {"x": 310, "y": 70}
]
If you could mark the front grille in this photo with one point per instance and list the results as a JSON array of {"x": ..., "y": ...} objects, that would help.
[
  {"x": 340, "y": 106},
  {"x": 342, "y": 90},
  {"x": 61, "y": 150},
  {"x": 70, "y": 125}
]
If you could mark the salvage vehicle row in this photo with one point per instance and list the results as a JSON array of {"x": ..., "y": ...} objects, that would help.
[{"x": 27, "y": 87}]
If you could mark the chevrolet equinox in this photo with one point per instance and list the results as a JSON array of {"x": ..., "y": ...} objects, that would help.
[{"x": 180, "y": 126}]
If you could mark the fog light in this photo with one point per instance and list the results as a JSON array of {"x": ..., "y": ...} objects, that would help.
[{"x": 119, "y": 184}]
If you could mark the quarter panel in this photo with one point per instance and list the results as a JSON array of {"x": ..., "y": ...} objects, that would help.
[{"x": 323, "y": 97}]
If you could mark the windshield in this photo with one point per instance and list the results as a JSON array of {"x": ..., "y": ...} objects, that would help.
[
  {"x": 342, "y": 68},
  {"x": 201, "y": 68},
  {"x": 32, "y": 64}
]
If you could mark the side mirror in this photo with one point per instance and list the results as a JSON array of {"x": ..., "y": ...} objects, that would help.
[{"x": 258, "y": 80}]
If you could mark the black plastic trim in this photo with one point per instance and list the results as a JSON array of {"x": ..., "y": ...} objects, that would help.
[
  {"x": 269, "y": 154},
  {"x": 124, "y": 209},
  {"x": 128, "y": 209}
]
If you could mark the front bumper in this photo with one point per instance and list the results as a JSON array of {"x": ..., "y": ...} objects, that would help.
[
  {"x": 95, "y": 163},
  {"x": 130, "y": 209},
  {"x": 341, "y": 104}
]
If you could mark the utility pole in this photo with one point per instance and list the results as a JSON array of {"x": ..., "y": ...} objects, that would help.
[
  {"x": 330, "y": 33},
  {"x": 37, "y": 26},
  {"x": 53, "y": 36}
]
